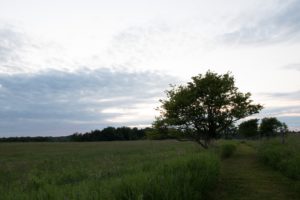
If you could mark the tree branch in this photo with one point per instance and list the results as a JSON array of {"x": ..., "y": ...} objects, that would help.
[{"x": 202, "y": 144}]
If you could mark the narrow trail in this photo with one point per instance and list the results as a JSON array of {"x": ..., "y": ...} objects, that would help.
[{"x": 243, "y": 177}]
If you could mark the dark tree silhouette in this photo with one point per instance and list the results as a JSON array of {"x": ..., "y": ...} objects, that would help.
[
  {"x": 270, "y": 126},
  {"x": 249, "y": 128}
]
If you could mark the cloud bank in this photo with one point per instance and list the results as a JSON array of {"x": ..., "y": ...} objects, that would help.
[{"x": 59, "y": 103}]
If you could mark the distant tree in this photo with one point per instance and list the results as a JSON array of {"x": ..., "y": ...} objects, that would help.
[
  {"x": 272, "y": 126},
  {"x": 249, "y": 128},
  {"x": 108, "y": 134},
  {"x": 205, "y": 107}
]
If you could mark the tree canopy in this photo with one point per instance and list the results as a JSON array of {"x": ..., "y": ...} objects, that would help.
[
  {"x": 205, "y": 107},
  {"x": 271, "y": 125},
  {"x": 249, "y": 128}
]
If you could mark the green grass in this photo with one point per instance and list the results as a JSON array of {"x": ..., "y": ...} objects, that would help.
[
  {"x": 282, "y": 157},
  {"x": 191, "y": 177},
  {"x": 106, "y": 170},
  {"x": 227, "y": 149},
  {"x": 146, "y": 170},
  {"x": 243, "y": 177}
]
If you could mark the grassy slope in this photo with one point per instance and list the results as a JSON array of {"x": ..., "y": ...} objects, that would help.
[{"x": 243, "y": 177}]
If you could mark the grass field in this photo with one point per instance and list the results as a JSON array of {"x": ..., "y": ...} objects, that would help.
[
  {"x": 103, "y": 170},
  {"x": 144, "y": 170}
]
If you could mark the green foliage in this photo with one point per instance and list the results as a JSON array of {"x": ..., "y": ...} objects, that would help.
[
  {"x": 283, "y": 157},
  {"x": 154, "y": 134},
  {"x": 249, "y": 128},
  {"x": 271, "y": 126},
  {"x": 158, "y": 134},
  {"x": 227, "y": 150},
  {"x": 206, "y": 106}
]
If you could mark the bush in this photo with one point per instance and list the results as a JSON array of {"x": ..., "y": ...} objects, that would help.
[
  {"x": 227, "y": 150},
  {"x": 185, "y": 178},
  {"x": 282, "y": 157}
]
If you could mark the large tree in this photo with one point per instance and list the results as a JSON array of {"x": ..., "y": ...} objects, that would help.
[{"x": 205, "y": 107}]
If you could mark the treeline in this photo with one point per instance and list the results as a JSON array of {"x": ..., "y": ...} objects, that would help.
[
  {"x": 111, "y": 134},
  {"x": 106, "y": 134},
  {"x": 248, "y": 129},
  {"x": 35, "y": 139}
]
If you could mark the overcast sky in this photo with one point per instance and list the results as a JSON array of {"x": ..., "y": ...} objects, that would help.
[{"x": 71, "y": 66}]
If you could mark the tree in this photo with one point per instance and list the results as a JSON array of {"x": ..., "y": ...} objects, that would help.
[
  {"x": 249, "y": 128},
  {"x": 205, "y": 107},
  {"x": 270, "y": 126},
  {"x": 229, "y": 132}
]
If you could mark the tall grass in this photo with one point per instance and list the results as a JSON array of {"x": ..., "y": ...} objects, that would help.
[
  {"x": 282, "y": 157},
  {"x": 191, "y": 177},
  {"x": 105, "y": 170},
  {"x": 228, "y": 149},
  {"x": 225, "y": 148}
]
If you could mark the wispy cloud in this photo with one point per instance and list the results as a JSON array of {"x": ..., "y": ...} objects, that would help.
[
  {"x": 295, "y": 95},
  {"x": 279, "y": 22},
  {"x": 12, "y": 43},
  {"x": 20, "y": 52}
]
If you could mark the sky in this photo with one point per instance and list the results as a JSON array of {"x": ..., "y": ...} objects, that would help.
[{"x": 73, "y": 66}]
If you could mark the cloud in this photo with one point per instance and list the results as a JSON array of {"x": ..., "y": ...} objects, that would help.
[
  {"x": 282, "y": 111},
  {"x": 58, "y": 103},
  {"x": 292, "y": 66},
  {"x": 277, "y": 23},
  {"x": 295, "y": 95},
  {"x": 12, "y": 42},
  {"x": 292, "y": 121},
  {"x": 21, "y": 52},
  {"x": 159, "y": 44}
]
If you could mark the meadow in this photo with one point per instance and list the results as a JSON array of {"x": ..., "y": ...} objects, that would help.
[
  {"x": 106, "y": 170},
  {"x": 147, "y": 169}
]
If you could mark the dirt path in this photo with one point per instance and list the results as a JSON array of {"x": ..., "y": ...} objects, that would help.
[{"x": 243, "y": 177}]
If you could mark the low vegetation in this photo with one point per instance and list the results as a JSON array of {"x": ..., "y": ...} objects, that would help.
[
  {"x": 191, "y": 177},
  {"x": 227, "y": 149},
  {"x": 282, "y": 157},
  {"x": 106, "y": 170}
]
